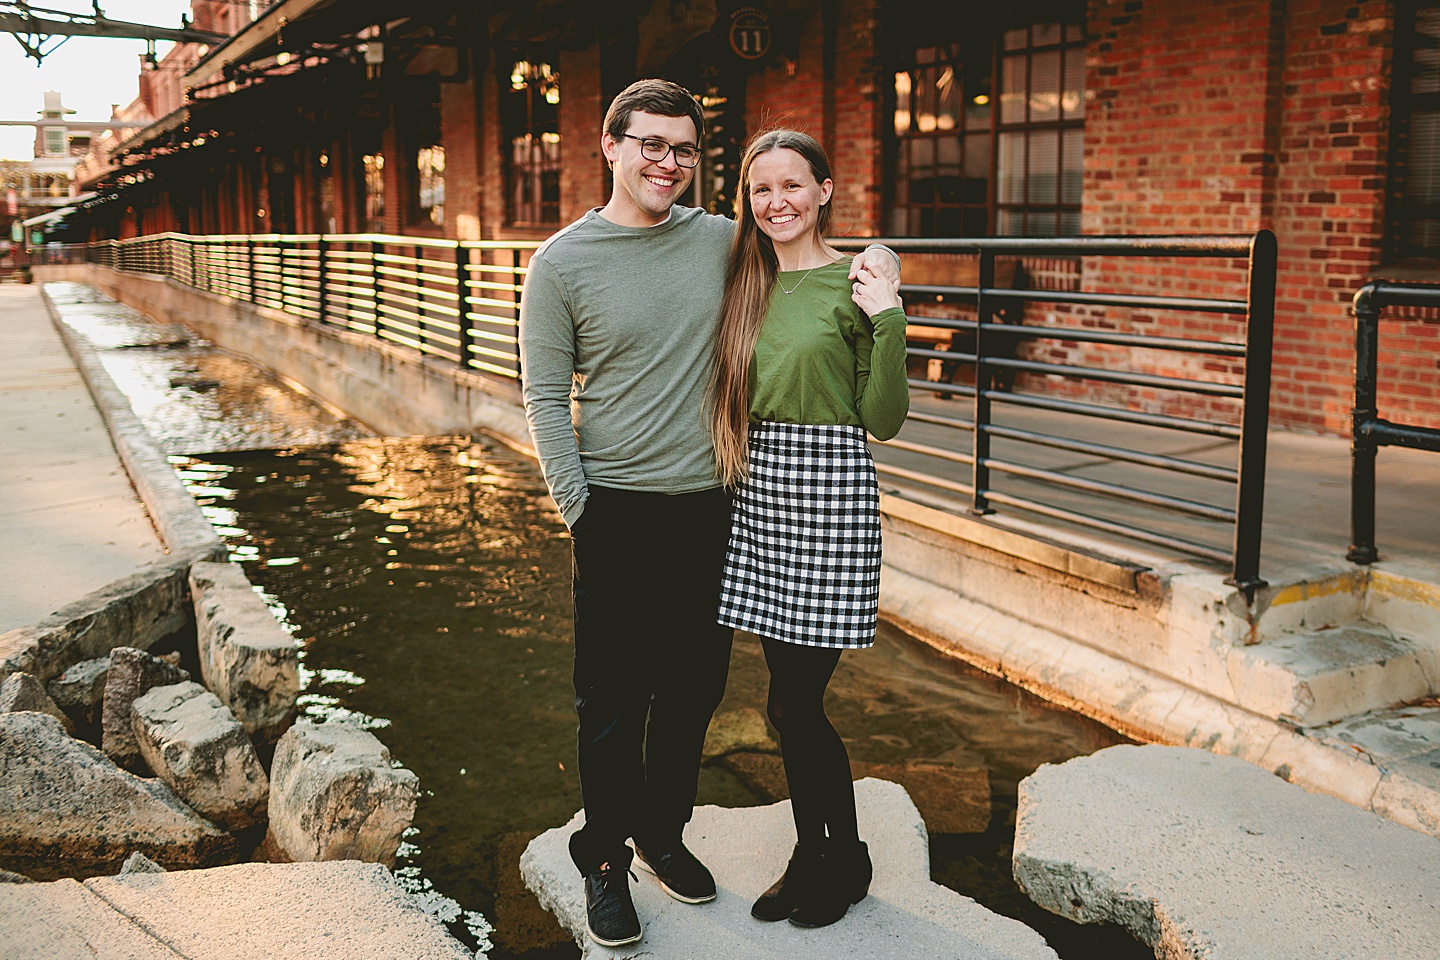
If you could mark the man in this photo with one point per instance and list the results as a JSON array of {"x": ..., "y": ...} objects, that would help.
[{"x": 616, "y": 327}]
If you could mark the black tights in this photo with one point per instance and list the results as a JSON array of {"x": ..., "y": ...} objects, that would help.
[{"x": 817, "y": 768}]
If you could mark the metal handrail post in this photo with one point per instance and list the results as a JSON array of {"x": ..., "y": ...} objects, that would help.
[
  {"x": 1254, "y": 415},
  {"x": 1363, "y": 445},
  {"x": 464, "y": 318},
  {"x": 375, "y": 247},
  {"x": 250, "y": 290},
  {"x": 322, "y": 276},
  {"x": 515, "y": 286},
  {"x": 980, "y": 436}
]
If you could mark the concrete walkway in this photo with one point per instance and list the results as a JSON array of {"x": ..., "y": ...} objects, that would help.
[
  {"x": 72, "y": 522},
  {"x": 1247, "y": 866}
]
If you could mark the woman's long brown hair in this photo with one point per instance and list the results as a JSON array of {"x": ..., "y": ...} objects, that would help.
[{"x": 749, "y": 284}]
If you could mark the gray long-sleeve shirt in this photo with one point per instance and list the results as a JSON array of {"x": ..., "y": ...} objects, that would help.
[{"x": 617, "y": 329}]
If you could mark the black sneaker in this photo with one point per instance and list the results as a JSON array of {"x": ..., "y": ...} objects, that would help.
[
  {"x": 680, "y": 872},
  {"x": 609, "y": 912}
]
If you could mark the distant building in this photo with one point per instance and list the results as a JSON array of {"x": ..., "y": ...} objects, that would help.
[{"x": 39, "y": 193}]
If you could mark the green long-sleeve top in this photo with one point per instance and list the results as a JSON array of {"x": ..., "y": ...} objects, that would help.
[{"x": 820, "y": 360}]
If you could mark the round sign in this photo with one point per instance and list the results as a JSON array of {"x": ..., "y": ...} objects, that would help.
[{"x": 750, "y": 33}]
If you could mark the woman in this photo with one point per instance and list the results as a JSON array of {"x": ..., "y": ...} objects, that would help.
[{"x": 806, "y": 363}]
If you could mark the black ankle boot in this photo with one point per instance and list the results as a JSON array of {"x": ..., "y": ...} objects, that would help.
[
  {"x": 854, "y": 860},
  {"x": 843, "y": 879},
  {"x": 784, "y": 894}
]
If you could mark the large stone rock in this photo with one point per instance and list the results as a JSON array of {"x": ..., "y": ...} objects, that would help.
[
  {"x": 67, "y": 810},
  {"x": 334, "y": 795},
  {"x": 21, "y": 692},
  {"x": 192, "y": 742},
  {"x": 246, "y": 657},
  {"x": 741, "y": 729},
  {"x": 80, "y": 690},
  {"x": 905, "y": 915},
  {"x": 1206, "y": 856},
  {"x": 132, "y": 672}
]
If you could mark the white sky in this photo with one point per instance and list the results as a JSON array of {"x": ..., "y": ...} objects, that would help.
[{"x": 90, "y": 73}]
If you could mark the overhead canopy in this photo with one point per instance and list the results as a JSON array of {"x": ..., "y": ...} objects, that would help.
[{"x": 50, "y": 217}]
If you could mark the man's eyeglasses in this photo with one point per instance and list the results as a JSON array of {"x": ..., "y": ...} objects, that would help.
[{"x": 653, "y": 150}]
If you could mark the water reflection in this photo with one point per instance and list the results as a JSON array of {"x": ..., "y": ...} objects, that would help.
[
  {"x": 191, "y": 396},
  {"x": 428, "y": 580}
]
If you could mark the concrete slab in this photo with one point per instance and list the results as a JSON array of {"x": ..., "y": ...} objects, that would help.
[
  {"x": 342, "y": 910},
  {"x": 747, "y": 848},
  {"x": 73, "y": 522},
  {"x": 1210, "y": 857},
  {"x": 64, "y": 921}
]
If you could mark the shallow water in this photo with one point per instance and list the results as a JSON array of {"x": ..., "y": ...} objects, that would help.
[
  {"x": 192, "y": 396},
  {"x": 427, "y": 580}
]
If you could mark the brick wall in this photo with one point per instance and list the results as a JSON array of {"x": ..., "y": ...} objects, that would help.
[{"x": 1228, "y": 118}]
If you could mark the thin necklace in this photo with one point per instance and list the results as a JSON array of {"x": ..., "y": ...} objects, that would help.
[
  {"x": 797, "y": 285},
  {"x": 801, "y": 280}
]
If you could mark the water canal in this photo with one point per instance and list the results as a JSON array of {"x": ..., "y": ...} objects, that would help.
[{"x": 427, "y": 580}]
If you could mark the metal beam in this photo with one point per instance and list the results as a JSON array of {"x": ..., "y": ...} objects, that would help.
[{"x": 20, "y": 18}]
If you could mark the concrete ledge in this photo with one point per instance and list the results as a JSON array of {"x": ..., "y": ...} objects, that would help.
[
  {"x": 1209, "y": 857},
  {"x": 1145, "y": 705},
  {"x": 905, "y": 915},
  {"x": 344, "y": 910},
  {"x": 140, "y": 609},
  {"x": 178, "y": 518},
  {"x": 132, "y": 612}
]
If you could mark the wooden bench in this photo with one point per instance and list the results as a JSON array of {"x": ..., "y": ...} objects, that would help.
[{"x": 953, "y": 270}]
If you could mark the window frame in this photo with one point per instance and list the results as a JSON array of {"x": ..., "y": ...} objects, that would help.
[
  {"x": 1402, "y": 209},
  {"x": 924, "y": 218},
  {"x": 530, "y": 139}
]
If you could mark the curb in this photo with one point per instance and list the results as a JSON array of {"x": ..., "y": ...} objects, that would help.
[{"x": 151, "y": 603}]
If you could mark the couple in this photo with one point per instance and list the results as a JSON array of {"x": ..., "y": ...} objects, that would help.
[{"x": 676, "y": 364}]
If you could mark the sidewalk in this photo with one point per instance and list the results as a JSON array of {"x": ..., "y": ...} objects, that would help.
[{"x": 72, "y": 522}]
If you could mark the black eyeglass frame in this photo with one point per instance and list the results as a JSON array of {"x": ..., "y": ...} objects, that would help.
[{"x": 674, "y": 148}]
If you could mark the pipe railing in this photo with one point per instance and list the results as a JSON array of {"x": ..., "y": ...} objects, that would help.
[
  {"x": 1368, "y": 430},
  {"x": 453, "y": 300},
  {"x": 1166, "y": 386},
  {"x": 458, "y": 302}
]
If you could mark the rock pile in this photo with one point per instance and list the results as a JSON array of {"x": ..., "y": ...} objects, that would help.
[{"x": 173, "y": 772}]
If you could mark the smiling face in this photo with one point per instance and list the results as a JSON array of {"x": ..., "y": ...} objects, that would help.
[
  {"x": 645, "y": 189},
  {"x": 785, "y": 198}
]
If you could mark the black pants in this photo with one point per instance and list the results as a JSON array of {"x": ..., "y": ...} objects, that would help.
[{"x": 650, "y": 661}]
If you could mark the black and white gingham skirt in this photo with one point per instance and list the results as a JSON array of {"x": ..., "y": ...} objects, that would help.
[{"x": 804, "y": 559}]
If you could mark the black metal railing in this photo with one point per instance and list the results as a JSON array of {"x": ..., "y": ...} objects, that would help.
[
  {"x": 459, "y": 301},
  {"x": 1136, "y": 380},
  {"x": 1368, "y": 431},
  {"x": 453, "y": 300}
]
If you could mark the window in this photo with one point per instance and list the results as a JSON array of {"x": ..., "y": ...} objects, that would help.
[
  {"x": 989, "y": 132},
  {"x": 530, "y": 117},
  {"x": 430, "y": 167},
  {"x": 1413, "y": 228},
  {"x": 422, "y": 132},
  {"x": 374, "y": 191},
  {"x": 54, "y": 141}
]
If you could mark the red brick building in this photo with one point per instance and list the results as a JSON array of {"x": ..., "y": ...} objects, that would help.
[{"x": 1316, "y": 119}]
